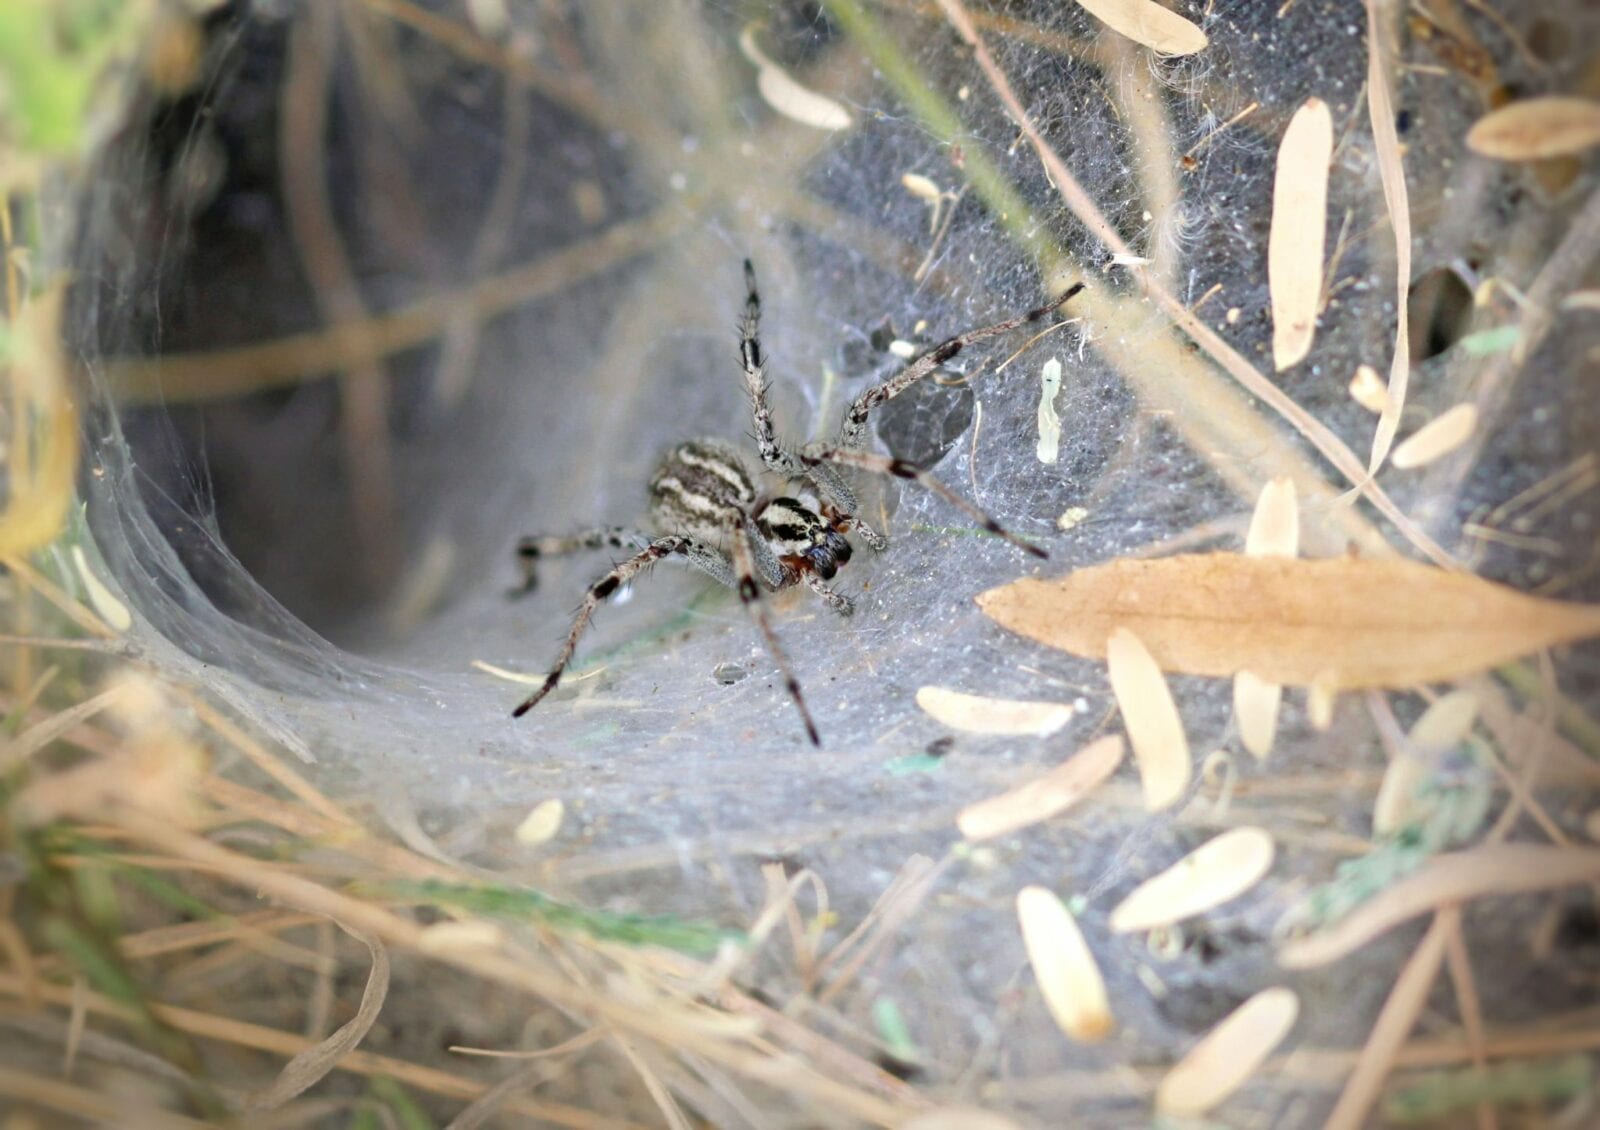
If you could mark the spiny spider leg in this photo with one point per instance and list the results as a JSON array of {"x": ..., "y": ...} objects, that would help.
[
  {"x": 601, "y": 591},
  {"x": 900, "y": 469},
  {"x": 777, "y": 458},
  {"x": 750, "y": 597},
  {"x": 853, "y": 429},
  {"x": 532, "y": 550}
]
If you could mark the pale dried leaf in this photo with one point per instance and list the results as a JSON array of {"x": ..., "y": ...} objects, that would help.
[
  {"x": 787, "y": 96},
  {"x": 1299, "y": 222},
  {"x": 1068, "y": 977},
  {"x": 1217, "y": 871},
  {"x": 106, "y": 606},
  {"x": 1045, "y": 796},
  {"x": 1324, "y": 692},
  {"x": 1444, "y": 725},
  {"x": 307, "y": 1068},
  {"x": 921, "y": 187},
  {"x": 1347, "y": 622},
  {"x": 1275, "y": 525},
  {"x": 1536, "y": 128},
  {"x": 978, "y": 714},
  {"x": 1368, "y": 389},
  {"x": 1049, "y": 447},
  {"x": 1155, "y": 730},
  {"x": 1439, "y": 436},
  {"x": 1395, "y": 803},
  {"x": 542, "y": 823},
  {"x": 1148, "y": 24},
  {"x": 1256, "y": 703},
  {"x": 1228, "y": 1055}
]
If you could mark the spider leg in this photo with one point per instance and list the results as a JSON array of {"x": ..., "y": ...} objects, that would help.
[
  {"x": 853, "y": 429},
  {"x": 750, "y": 597},
  {"x": 900, "y": 469},
  {"x": 777, "y": 458},
  {"x": 598, "y": 594},
  {"x": 531, "y": 550},
  {"x": 837, "y": 601}
]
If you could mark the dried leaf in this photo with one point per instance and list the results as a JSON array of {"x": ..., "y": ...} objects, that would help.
[
  {"x": 1046, "y": 796},
  {"x": 1160, "y": 745},
  {"x": 1342, "y": 623},
  {"x": 1439, "y": 436},
  {"x": 1368, "y": 389},
  {"x": 1217, "y": 871},
  {"x": 1068, "y": 977},
  {"x": 1228, "y": 1055},
  {"x": 785, "y": 95},
  {"x": 1275, "y": 525},
  {"x": 106, "y": 605},
  {"x": 980, "y": 715},
  {"x": 542, "y": 823},
  {"x": 1256, "y": 703},
  {"x": 1397, "y": 794},
  {"x": 1536, "y": 128},
  {"x": 1299, "y": 223},
  {"x": 1442, "y": 727},
  {"x": 1148, "y": 23}
]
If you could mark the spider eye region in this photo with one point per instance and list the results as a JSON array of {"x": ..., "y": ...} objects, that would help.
[{"x": 798, "y": 533}]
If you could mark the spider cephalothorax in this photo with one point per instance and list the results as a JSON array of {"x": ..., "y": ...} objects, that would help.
[
  {"x": 706, "y": 507},
  {"x": 803, "y": 538}
]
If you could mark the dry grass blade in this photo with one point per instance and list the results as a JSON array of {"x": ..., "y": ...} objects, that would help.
[
  {"x": 960, "y": 1118},
  {"x": 1066, "y": 971},
  {"x": 1155, "y": 730},
  {"x": 1216, "y": 872},
  {"x": 1228, "y": 1055},
  {"x": 1396, "y": 1019},
  {"x": 1148, "y": 24},
  {"x": 1438, "y": 437},
  {"x": 1299, "y": 219},
  {"x": 36, "y": 737},
  {"x": 1396, "y": 198},
  {"x": 41, "y": 440},
  {"x": 1046, "y": 796},
  {"x": 1537, "y": 128},
  {"x": 33, "y": 1092},
  {"x": 1344, "y": 623},
  {"x": 978, "y": 714},
  {"x": 311, "y": 1065},
  {"x": 1459, "y": 877}
]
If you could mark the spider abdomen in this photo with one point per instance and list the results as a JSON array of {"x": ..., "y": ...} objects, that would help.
[{"x": 702, "y": 488}]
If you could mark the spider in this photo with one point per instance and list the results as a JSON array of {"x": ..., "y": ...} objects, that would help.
[{"x": 705, "y": 506}]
